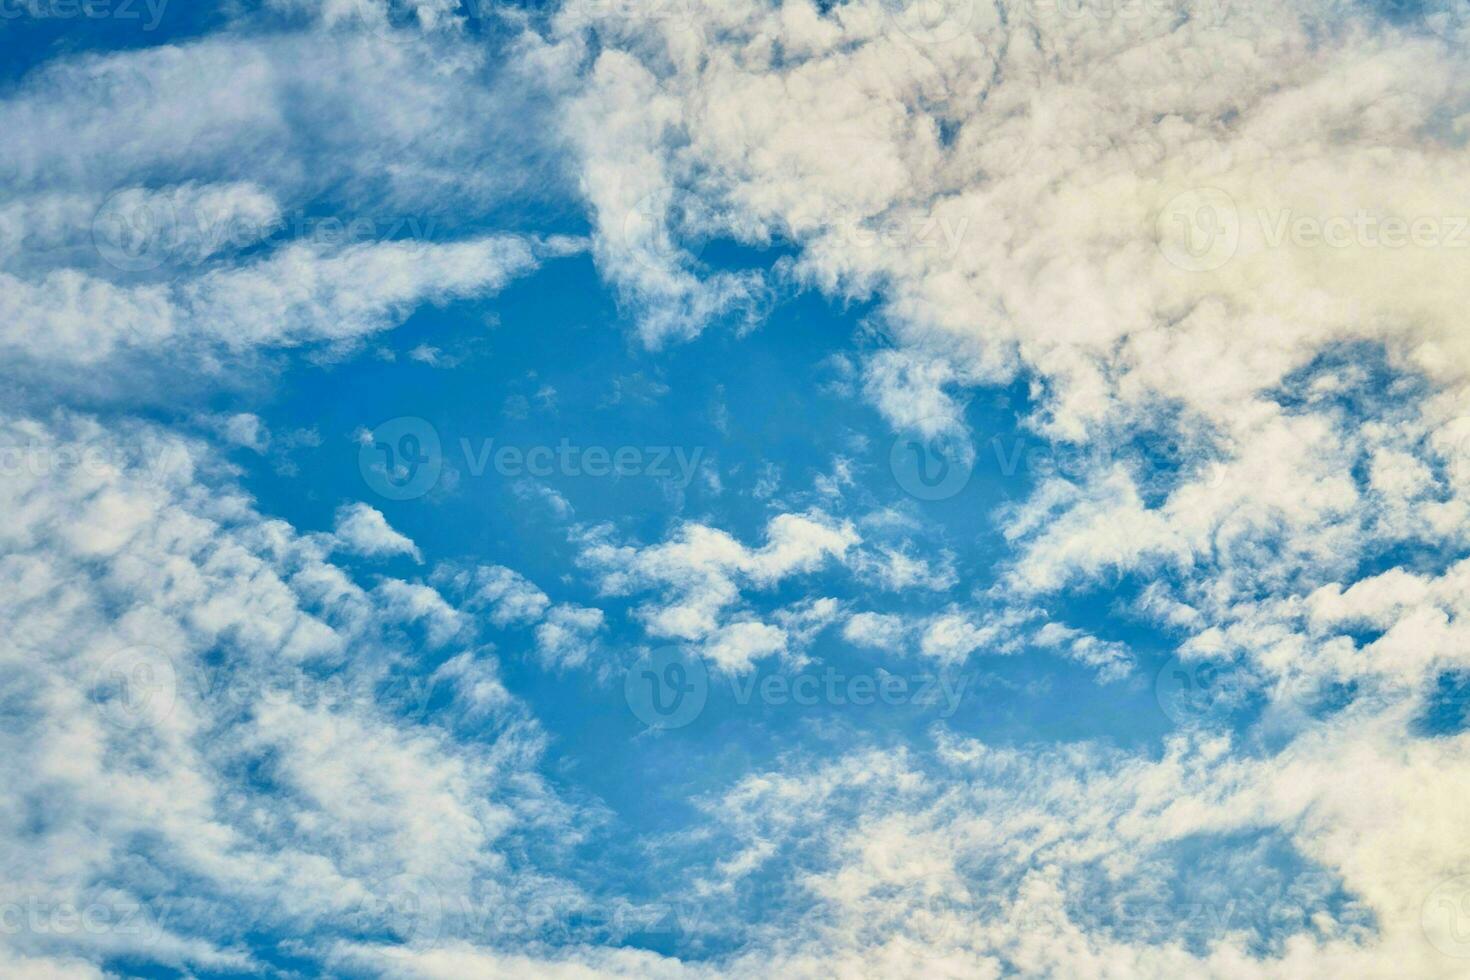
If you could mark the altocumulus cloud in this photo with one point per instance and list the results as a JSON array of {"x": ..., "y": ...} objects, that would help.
[{"x": 240, "y": 741}]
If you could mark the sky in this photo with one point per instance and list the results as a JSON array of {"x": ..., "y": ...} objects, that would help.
[{"x": 734, "y": 488}]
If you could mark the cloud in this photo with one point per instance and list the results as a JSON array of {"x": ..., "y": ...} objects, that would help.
[
  {"x": 300, "y": 294},
  {"x": 700, "y": 573},
  {"x": 362, "y": 530},
  {"x": 221, "y": 727},
  {"x": 565, "y": 638}
]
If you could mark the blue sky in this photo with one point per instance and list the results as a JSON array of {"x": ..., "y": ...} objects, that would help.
[{"x": 734, "y": 488}]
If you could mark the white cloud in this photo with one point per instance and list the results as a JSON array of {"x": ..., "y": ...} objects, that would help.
[
  {"x": 700, "y": 573},
  {"x": 221, "y": 728},
  {"x": 363, "y": 530},
  {"x": 297, "y": 295},
  {"x": 565, "y": 638}
]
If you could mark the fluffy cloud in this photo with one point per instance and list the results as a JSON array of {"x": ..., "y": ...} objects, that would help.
[
  {"x": 363, "y": 530},
  {"x": 1202, "y": 224},
  {"x": 700, "y": 573},
  {"x": 219, "y": 726},
  {"x": 301, "y": 294}
]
